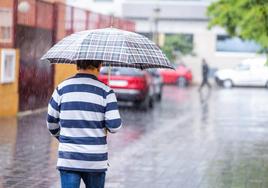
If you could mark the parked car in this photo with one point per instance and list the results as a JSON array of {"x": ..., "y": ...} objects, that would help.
[
  {"x": 130, "y": 85},
  {"x": 250, "y": 72},
  {"x": 182, "y": 76},
  {"x": 157, "y": 82}
]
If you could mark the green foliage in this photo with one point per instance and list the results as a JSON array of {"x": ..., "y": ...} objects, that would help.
[
  {"x": 247, "y": 19},
  {"x": 177, "y": 45}
]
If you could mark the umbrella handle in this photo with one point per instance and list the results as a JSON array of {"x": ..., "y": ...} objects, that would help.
[{"x": 109, "y": 75}]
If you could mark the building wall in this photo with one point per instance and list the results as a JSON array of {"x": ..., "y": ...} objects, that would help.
[
  {"x": 9, "y": 93},
  {"x": 63, "y": 71},
  {"x": 43, "y": 20},
  {"x": 109, "y": 7},
  {"x": 31, "y": 95},
  {"x": 27, "y": 18},
  {"x": 7, "y": 4},
  {"x": 60, "y": 24}
]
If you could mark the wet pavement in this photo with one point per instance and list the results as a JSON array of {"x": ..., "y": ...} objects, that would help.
[{"x": 216, "y": 139}]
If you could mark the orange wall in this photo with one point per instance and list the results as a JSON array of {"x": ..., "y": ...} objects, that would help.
[
  {"x": 9, "y": 93},
  {"x": 63, "y": 71},
  {"x": 7, "y": 4}
]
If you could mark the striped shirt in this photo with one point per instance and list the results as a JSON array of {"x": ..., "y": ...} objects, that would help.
[{"x": 80, "y": 112}]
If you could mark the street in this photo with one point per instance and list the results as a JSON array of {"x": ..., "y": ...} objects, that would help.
[{"x": 216, "y": 139}]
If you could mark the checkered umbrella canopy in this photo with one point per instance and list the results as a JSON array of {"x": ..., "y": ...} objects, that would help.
[{"x": 114, "y": 47}]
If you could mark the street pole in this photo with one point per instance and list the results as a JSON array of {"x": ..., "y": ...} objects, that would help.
[{"x": 156, "y": 12}]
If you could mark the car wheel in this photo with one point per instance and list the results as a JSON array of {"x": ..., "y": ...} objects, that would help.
[
  {"x": 159, "y": 96},
  {"x": 227, "y": 83},
  {"x": 266, "y": 85},
  {"x": 145, "y": 104},
  {"x": 181, "y": 82},
  {"x": 151, "y": 102}
]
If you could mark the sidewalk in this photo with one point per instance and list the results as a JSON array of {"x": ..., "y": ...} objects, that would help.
[
  {"x": 186, "y": 141},
  {"x": 221, "y": 143}
]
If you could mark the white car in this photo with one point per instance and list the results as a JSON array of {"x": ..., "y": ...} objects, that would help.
[{"x": 251, "y": 72}]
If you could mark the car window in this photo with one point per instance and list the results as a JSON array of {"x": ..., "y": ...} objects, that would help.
[
  {"x": 243, "y": 67},
  {"x": 122, "y": 71}
]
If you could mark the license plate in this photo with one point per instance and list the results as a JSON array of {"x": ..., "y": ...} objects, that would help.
[{"x": 118, "y": 83}]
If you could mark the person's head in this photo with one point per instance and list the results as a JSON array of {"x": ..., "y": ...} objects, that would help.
[
  {"x": 204, "y": 61},
  {"x": 88, "y": 65}
]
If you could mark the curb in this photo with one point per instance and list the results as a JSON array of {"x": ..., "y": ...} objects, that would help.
[{"x": 31, "y": 112}]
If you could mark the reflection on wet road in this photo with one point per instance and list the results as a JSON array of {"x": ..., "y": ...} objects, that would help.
[{"x": 190, "y": 139}]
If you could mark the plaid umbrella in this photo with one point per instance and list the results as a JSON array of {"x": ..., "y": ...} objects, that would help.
[{"x": 114, "y": 47}]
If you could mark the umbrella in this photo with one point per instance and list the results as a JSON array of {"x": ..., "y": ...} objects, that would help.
[{"x": 113, "y": 46}]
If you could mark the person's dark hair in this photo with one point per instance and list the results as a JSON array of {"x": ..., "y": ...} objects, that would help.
[{"x": 88, "y": 64}]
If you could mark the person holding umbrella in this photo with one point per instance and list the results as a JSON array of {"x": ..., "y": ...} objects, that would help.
[
  {"x": 82, "y": 109},
  {"x": 80, "y": 112}
]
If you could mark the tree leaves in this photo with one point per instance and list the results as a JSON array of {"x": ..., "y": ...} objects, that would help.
[{"x": 247, "y": 19}]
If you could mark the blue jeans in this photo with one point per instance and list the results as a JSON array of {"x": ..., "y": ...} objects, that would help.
[{"x": 71, "y": 179}]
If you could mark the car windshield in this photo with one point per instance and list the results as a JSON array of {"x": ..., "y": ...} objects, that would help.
[
  {"x": 242, "y": 66},
  {"x": 122, "y": 71}
]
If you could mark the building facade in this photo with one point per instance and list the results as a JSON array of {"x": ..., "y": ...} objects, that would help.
[
  {"x": 28, "y": 28},
  {"x": 170, "y": 17},
  {"x": 189, "y": 17},
  {"x": 107, "y": 7}
]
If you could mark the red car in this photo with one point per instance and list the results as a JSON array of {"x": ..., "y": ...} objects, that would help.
[
  {"x": 130, "y": 85},
  {"x": 182, "y": 76}
]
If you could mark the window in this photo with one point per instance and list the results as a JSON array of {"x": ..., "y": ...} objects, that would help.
[
  {"x": 8, "y": 61},
  {"x": 227, "y": 44},
  {"x": 148, "y": 35},
  {"x": 6, "y": 26},
  {"x": 5, "y": 33}
]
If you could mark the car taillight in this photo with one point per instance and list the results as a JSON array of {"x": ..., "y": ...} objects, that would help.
[
  {"x": 103, "y": 79},
  {"x": 188, "y": 75},
  {"x": 139, "y": 83}
]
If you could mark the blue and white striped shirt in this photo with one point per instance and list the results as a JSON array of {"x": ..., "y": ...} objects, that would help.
[{"x": 80, "y": 112}]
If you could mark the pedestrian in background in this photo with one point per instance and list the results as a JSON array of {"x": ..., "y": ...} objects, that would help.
[
  {"x": 205, "y": 75},
  {"x": 81, "y": 111}
]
